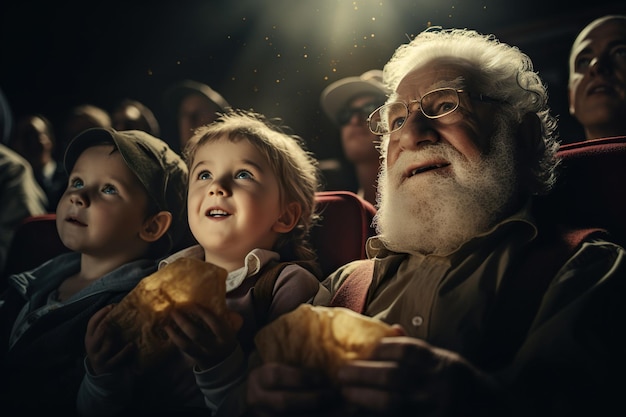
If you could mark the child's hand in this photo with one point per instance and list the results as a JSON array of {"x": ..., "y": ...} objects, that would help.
[
  {"x": 106, "y": 352},
  {"x": 207, "y": 338}
]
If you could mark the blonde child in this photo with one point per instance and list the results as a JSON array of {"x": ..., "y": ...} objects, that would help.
[{"x": 250, "y": 204}]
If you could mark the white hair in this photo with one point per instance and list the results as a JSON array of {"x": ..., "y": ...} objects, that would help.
[{"x": 501, "y": 71}]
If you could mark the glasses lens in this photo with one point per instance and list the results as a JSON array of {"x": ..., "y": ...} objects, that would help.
[
  {"x": 343, "y": 118},
  {"x": 374, "y": 122},
  {"x": 388, "y": 118},
  {"x": 439, "y": 103},
  {"x": 347, "y": 113}
]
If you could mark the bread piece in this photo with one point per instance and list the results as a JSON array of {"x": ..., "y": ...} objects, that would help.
[
  {"x": 141, "y": 316},
  {"x": 320, "y": 337}
]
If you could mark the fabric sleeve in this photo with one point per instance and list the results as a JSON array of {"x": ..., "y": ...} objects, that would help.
[
  {"x": 223, "y": 385},
  {"x": 102, "y": 395},
  {"x": 573, "y": 358},
  {"x": 294, "y": 286},
  {"x": 330, "y": 285}
]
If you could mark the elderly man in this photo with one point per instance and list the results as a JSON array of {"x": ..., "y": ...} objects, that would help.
[
  {"x": 503, "y": 314},
  {"x": 597, "y": 77}
]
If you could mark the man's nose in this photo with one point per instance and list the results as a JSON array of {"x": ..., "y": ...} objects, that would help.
[
  {"x": 600, "y": 64},
  {"x": 417, "y": 131}
]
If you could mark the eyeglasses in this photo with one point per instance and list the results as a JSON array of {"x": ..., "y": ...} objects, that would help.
[
  {"x": 435, "y": 104},
  {"x": 346, "y": 114}
]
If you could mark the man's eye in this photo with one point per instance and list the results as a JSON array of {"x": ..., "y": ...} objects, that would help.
[
  {"x": 396, "y": 123},
  {"x": 109, "y": 189},
  {"x": 620, "y": 53},
  {"x": 243, "y": 175},
  {"x": 442, "y": 107},
  {"x": 582, "y": 64}
]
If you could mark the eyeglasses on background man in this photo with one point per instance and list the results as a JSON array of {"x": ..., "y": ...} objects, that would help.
[{"x": 346, "y": 114}]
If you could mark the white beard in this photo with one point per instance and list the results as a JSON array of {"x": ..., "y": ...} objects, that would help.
[{"x": 438, "y": 213}]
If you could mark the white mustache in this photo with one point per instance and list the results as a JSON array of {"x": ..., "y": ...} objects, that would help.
[{"x": 423, "y": 155}]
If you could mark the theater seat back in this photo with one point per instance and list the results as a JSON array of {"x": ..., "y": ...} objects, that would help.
[
  {"x": 345, "y": 226},
  {"x": 35, "y": 241},
  {"x": 591, "y": 190}
]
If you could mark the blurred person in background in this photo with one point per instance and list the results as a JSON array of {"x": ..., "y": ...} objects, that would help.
[
  {"x": 35, "y": 140},
  {"x": 191, "y": 104},
  {"x": 131, "y": 114},
  {"x": 80, "y": 118},
  {"x": 348, "y": 102},
  {"x": 597, "y": 77},
  {"x": 20, "y": 195}
]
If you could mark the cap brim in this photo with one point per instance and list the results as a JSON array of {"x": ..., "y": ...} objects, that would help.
[
  {"x": 83, "y": 141},
  {"x": 130, "y": 143}
]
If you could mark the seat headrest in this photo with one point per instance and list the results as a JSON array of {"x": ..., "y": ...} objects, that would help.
[{"x": 346, "y": 224}]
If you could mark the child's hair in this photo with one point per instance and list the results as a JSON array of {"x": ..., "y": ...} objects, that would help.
[
  {"x": 295, "y": 168},
  {"x": 161, "y": 171}
]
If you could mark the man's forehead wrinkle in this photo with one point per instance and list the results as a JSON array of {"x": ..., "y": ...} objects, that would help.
[{"x": 457, "y": 83}]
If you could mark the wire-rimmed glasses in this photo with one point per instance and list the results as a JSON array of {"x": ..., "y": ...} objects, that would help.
[{"x": 437, "y": 103}]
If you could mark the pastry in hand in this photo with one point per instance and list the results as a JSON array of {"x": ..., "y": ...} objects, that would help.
[
  {"x": 321, "y": 337},
  {"x": 141, "y": 316}
]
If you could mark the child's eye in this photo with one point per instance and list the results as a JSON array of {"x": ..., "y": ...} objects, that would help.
[
  {"x": 243, "y": 174},
  {"x": 76, "y": 183},
  {"x": 204, "y": 175},
  {"x": 109, "y": 189}
]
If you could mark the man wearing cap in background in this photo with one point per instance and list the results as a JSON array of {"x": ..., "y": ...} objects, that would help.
[
  {"x": 123, "y": 209},
  {"x": 348, "y": 102},
  {"x": 192, "y": 104}
]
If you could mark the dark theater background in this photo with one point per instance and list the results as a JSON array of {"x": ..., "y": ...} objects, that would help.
[{"x": 273, "y": 56}]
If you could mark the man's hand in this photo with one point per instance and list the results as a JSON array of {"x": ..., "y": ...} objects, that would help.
[
  {"x": 405, "y": 376},
  {"x": 409, "y": 376}
]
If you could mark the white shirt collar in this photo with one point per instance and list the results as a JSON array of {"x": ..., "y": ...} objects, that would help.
[{"x": 254, "y": 261}]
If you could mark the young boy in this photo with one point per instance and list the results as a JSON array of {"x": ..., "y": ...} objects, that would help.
[
  {"x": 122, "y": 210},
  {"x": 251, "y": 204}
]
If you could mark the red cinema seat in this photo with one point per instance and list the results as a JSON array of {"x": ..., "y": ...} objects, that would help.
[{"x": 591, "y": 189}]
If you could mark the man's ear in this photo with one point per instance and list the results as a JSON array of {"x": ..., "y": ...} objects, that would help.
[
  {"x": 530, "y": 135},
  {"x": 155, "y": 226},
  {"x": 289, "y": 219}
]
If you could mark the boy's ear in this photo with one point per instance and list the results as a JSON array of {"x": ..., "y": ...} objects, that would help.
[
  {"x": 289, "y": 219},
  {"x": 155, "y": 226}
]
